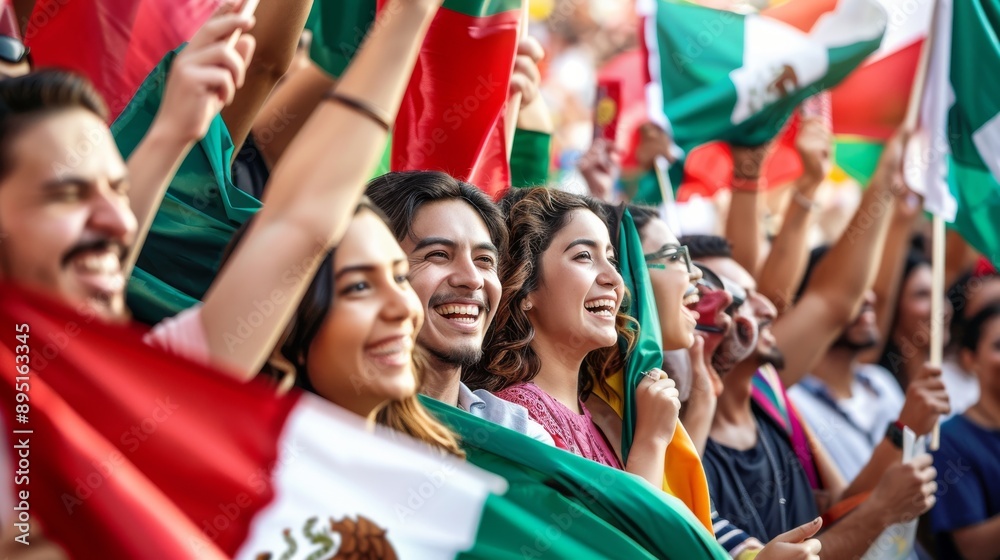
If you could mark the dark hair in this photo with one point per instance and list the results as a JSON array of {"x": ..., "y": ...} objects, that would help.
[
  {"x": 407, "y": 415},
  {"x": 958, "y": 294},
  {"x": 401, "y": 194},
  {"x": 534, "y": 216},
  {"x": 707, "y": 246},
  {"x": 25, "y": 99},
  {"x": 973, "y": 332},
  {"x": 642, "y": 215}
]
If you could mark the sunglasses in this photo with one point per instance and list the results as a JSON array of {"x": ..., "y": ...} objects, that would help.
[
  {"x": 669, "y": 254},
  {"x": 13, "y": 51},
  {"x": 713, "y": 281}
]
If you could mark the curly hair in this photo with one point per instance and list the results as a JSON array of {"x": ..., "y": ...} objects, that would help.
[
  {"x": 534, "y": 217},
  {"x": 407, "y": 415}
]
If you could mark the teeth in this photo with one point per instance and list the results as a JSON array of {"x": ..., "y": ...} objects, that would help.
[
  {"x": 470, "y": 312},
  {"x": 691, "y": 300},
  {"x": 597, "y": 303},
  {"x": 391, "y": 347},
  {"x": 106, "y": 263}
]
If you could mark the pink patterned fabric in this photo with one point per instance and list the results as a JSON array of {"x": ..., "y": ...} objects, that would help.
[{"x": 573, "y": 432}]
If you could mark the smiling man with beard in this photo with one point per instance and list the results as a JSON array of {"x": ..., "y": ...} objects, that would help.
[
  {"x": 453, "y": 234},
  {"x": 856, "y": 408}
]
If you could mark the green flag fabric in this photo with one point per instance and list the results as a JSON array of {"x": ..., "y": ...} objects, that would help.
[
  {"x": 581, "y": 509},
  {"x": 529, "y": 158},
  {"x": 201, "y": 211},
  {"x": 648, "y": 351},
  {"x": 718, "y": 75},
  {"x": 958, "y": 163},
  {"x": 338, "y": 27}
]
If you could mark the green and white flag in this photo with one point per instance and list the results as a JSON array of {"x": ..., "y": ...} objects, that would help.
[
  {"x": 955, "y": 157},
  {"x": 718, "y": 75}
]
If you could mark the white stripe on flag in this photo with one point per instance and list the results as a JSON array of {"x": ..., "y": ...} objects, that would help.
[
  {"x": 775, "y": 56},
  {"x": 987, "y": 140},
  {"x": 926, "y": 168},
  {"x": 909, "y": 21},
  {"x": 331, "y": 469}
]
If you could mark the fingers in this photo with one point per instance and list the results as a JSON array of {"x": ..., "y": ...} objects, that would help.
[
  {"x": 246, "y": 47},
  {"x": 219, "y": 55},
  {"x": 218, "y": 80},
  {"x": 928, "y": 371},
  {"x": 802, "y": 532},
  {"x": 525, "y": 79},
  {"x": 530, "y": 47},
  {"x": 922, "y": 461},
  {"x": 220, "y": 28}
]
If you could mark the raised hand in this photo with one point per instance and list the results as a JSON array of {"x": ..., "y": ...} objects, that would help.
[
  {"x": 526, "y": 78},
  {"x": 926, "y": 401},
  {"x": 796, "y": 544},
  {"x": 814, "y": 144},
  {"x": 206, "y": 74},
  {"x": 599, "y": 166}
]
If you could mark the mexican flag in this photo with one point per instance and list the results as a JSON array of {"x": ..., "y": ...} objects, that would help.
[
  {"x": 114, "y": 43},
  {"x": 718, "y": 75},
  {"x": 862, "y": 121},
  {"x": 956, "y": 156},
  {"x": 129, "y": 452},
  {"x": 452, "y": 116}
]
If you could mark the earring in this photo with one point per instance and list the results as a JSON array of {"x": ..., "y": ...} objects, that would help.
[{"x": 526, "y": 305}]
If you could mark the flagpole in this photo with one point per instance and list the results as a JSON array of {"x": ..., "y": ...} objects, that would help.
[
  {"x": 910, "y": 124},
  {"x": 668, "y": 212},
  {"x": 514, "y": 103}
]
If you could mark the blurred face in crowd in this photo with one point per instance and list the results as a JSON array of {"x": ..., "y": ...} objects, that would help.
[
  {"x": 580, "y": 290},
  {"x": 985, "y": 360},
  {"x": 65, "y": 219},
  {"x": 453, "y": 269},
  {"x": 362, "y": 355},
  {"x": 913, "y": 319},
  {"x": 673, "y": 279},
  {"x": 762, "y": 314},
  {"x": 863, "y": 331}
]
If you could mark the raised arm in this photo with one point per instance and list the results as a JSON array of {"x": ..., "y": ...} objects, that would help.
[
  {"x": 837, "y": 287},
  {"x": 279, "y": 25},
  {"x": 890, "y": 274},
  {"x": 287, "y": 110},
  {"x": 202, "y": 79},
  {"x": 786, "y": 262},
  {"x": 312, "y": 194},
  {"x": 745, "y": 222}
]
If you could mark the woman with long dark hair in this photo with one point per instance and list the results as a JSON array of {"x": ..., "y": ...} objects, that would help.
[{"x": 555, "y": 335}]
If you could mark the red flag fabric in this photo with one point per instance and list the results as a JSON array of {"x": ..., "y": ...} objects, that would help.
[
  {"x": 114, "y": 43},
  {"x": 119, "y": 450},
  {"x": 452, "y": 117}
]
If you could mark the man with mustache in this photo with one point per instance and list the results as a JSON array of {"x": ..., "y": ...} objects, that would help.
[
  {"x": 65, "y": 216},
  {"x": 453, "y": 234},
  {"x": 858, "y": 410}
]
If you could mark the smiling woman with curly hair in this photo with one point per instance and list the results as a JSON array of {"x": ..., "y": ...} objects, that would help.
[{"x": 556, "y": 332}]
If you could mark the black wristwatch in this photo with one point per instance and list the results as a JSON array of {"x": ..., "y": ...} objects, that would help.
[{"x": 894, "y": 433}]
